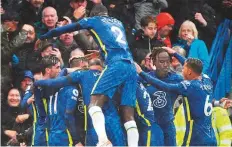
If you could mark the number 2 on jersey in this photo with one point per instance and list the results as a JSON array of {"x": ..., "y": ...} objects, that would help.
[
  {"x": 208, "y": 106},
  {"x": 119, "y": 34}
]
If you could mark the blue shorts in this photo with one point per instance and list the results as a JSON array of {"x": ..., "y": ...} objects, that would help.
[
  {"x": 60, "y": 138},
  {"x": 120, "y": 75},
  {"x": 169, "y": 132},
  {"x": 40, "y": 135},
  {"x": 151, "y": 135}
]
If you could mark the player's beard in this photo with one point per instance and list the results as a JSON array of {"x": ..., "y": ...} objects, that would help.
[{"x": 162, "y": 73}]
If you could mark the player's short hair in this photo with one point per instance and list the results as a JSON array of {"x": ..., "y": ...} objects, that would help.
[
  {"x": 95, "y": 61},
  {"x": 76, "y": 61},
  {"x": 146, "y": 20},
  {"x": 194, "y": 64},
  {"x": 156, "y": 51},
  {"x": 48, "y": 62}
]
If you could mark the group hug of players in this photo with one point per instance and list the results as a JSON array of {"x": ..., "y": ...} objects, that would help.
[{"x": 124, "y": 106}]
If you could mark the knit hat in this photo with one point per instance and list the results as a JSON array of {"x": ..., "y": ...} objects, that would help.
[{"x": 164, "y": 19}]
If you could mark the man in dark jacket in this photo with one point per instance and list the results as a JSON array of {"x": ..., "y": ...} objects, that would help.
[
  {"x": 11, "y": 40},
  {"x": 31, "y": 11}
]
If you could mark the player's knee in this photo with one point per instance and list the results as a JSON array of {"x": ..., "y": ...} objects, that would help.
[
  {"x": 127, "y": 113},
  {"x": 97, "y": 100},
  {"x": 94, "y": 109},
  {"x": 130, "y": 125}
]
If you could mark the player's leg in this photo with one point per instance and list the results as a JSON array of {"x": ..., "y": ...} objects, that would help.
[
  {"x": 169, "y": 131},
  {"x": 128, "y": 101},
  {"x": 98, "y": 119},
  {"x": 111, "y": 78},
  {"x": 130, "y": 125}
]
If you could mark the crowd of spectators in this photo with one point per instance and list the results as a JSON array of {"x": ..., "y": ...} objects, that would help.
[{"x": 189, "y": 26}]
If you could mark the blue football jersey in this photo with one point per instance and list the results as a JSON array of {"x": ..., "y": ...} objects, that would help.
[
  {"x": 144, "y": 109},
  {"x": 199, "y": 95},
  {"x": 163, "y": 101},
  {"x": 110, "y": 35}
]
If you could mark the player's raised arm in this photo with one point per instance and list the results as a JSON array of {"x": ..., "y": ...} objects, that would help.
[
  {"x": 171, "y": 51},
  {"x": 60, "y": 81},
  {"x": 61, "y": 30},
  {"x": 177, "y": 88}
]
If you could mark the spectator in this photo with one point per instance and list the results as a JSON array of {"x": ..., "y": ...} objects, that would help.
[
  {"x": 66, "y": 44},
  {"x": 26, "y": 49},
  {"x": 165, "y": 23},
  {"x": 45, "y": 48},
  {"x": 176, "y": 65},
  {"x": 14, "y": 121},
  {"x": 197, "y": 11},
  {"x": 78, "y": 9},
  {"x": 24, "y": 81},
  {"x": 31, "y": 11},
  {"x": 147, "y": 7},
  {"x": 194, "y": 47},
  {"x": 11, "y": 39},
  {"x": 49, "y": 20},
  {"x": 223, "y": 9},
  {"x": 144, "y": 39},
  {"x": 122, "y": 10},
  {"x": 9, "y": 5}
]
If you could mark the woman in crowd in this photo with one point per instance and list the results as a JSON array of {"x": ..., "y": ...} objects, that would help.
[
  {"x": 15, "y": 124},
  {"x": 195, "y": 48}
]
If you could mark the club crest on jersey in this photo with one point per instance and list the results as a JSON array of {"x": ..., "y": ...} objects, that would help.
[{"x": 160, "y": 100}]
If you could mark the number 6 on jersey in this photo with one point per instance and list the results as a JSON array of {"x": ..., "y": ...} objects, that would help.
[{"x": 208, "y": 108}]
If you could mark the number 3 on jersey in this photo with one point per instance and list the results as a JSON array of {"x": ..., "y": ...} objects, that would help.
[
  {"x": 208, "y": 108},
  {"x": 119, "y": 34}
]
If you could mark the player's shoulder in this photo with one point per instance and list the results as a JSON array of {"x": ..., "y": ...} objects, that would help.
[
  {"x": 188, "y": 84},
  {"x": 175, "y": 76}
]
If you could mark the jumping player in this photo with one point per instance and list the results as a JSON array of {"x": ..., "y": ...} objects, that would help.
[{"x": 119, "y": 72}]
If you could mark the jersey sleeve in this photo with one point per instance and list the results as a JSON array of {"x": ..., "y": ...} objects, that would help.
[
  {"x": 87, "y": 23},
  {"x": 61, "y": 30},
  {"x": 63, "y": 72},
  {"x": 61, "y": 81},
  {"x": 27, "y": 95},
  {"x": 72, "y": 96},
  {"x": 180, "y": 58},
  {"x": 180, "y": 88}
]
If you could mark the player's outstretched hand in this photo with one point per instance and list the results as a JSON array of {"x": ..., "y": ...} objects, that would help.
[
  {"x": 138, "y": 68},
  {"x": 169, "y": 50},
  {"x": 225, "y": 103},
  {"x": 92, "y": 54}
]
